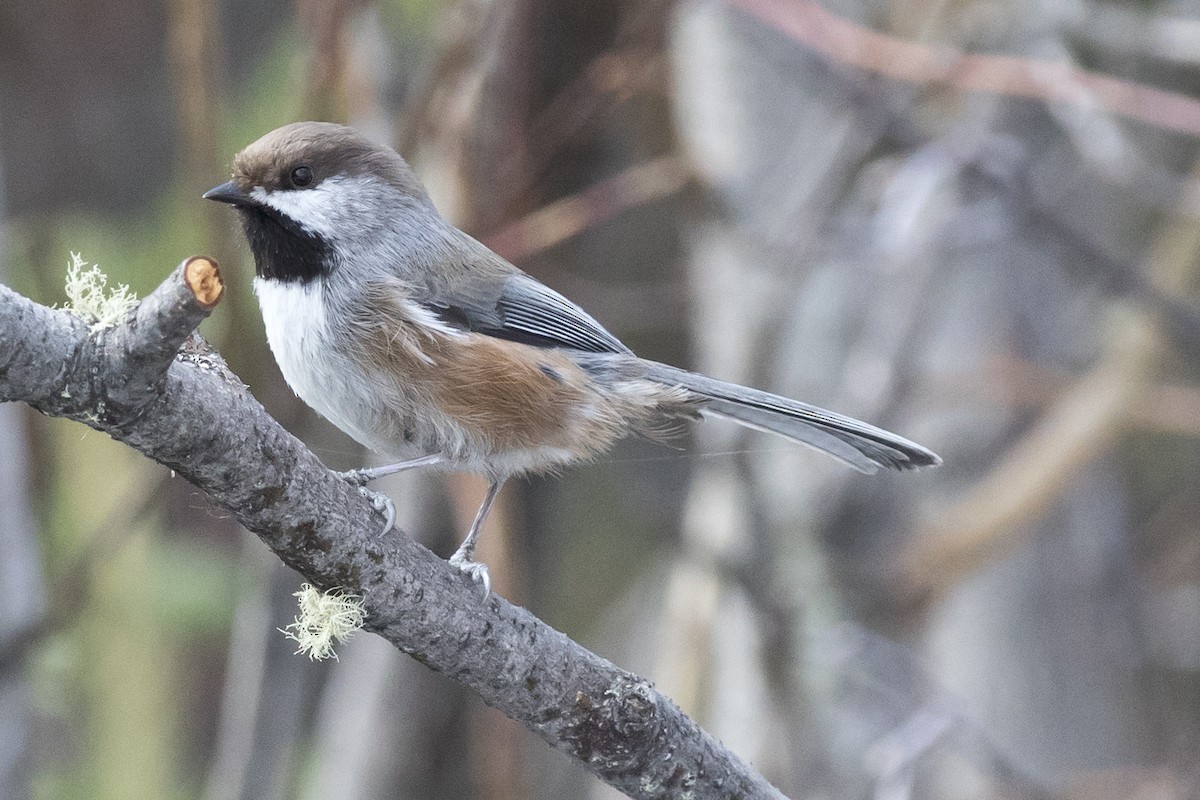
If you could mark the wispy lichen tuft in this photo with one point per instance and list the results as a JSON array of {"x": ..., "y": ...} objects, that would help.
[
  {"x": 90, "y": 299},
  {"x": 326, "y": 619}
]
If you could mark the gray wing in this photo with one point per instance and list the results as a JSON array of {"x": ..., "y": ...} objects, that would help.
[{"x": 527, "y": 311}]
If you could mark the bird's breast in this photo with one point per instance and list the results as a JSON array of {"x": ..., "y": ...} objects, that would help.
[{"x": 303, "y": 341}]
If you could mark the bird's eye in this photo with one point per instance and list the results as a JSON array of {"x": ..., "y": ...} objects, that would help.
[{"x": 301, "y": 176}]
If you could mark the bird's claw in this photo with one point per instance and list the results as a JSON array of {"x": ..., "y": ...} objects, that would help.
[
  {"x": 477, "y": 571},
  {"x": 355, "y": 477},
  {"x": 380, "y": 502}
]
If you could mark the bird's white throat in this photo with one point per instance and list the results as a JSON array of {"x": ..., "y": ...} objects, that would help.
[
  {"x": 294, "y": 316},
  {"x": 291, "y": 307}
]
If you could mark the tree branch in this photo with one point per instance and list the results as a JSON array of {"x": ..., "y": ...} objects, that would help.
[{"x": 187, "y": 411}]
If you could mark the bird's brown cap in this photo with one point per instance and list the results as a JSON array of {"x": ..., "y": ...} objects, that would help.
[{"x": 328, "y": 150}]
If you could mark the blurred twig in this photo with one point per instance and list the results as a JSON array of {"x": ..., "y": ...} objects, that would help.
[
  {"x": 993, "y": 515},
  {"x": 461, "y": 38},
  {"x": 998, "y": 168},
  {"x": 325, "y": 24},
  {"x": 192, "y": 44},
  {"x": 611, "y": 78},
  {"x": 568, "y": 216},
  {"x": 1049, "y": 81},
  {"x": 1165, "y": 407},
  {"x": 633, "y": 62},
  {"x": 908, "y": 713}
]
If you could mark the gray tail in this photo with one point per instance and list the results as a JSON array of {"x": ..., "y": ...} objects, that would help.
[{"x": 862, "y": 446}]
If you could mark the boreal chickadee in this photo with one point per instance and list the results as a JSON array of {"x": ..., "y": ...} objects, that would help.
[{"x": 427, "y": 347}]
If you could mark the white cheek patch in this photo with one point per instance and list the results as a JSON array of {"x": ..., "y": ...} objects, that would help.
[{"x": 321, "y": 210}]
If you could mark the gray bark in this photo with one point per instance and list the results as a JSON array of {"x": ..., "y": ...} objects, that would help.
[{"x": 189, "y": 413}]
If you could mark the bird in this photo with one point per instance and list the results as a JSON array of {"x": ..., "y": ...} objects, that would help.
[{"x": 427, "y": 347}]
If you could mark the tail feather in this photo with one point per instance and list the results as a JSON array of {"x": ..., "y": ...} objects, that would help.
[{"x": 862, "y": 446}]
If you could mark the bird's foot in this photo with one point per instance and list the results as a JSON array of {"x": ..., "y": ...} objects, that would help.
[
  {"x": 381, "y": 502},
  {"x": 355, "y": 477},
  {"x": 476, "y": 570}
]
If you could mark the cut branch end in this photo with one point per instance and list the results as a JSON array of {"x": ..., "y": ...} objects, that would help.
[{"x": 203, "y": 278}]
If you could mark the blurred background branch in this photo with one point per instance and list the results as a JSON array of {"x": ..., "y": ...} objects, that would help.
[{"x": 1039, "y": 79}]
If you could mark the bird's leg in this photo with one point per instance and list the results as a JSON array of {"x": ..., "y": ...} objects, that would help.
[
  {"x": 361, "y": 477},
  {"x": 463, "y": 557},
  {"x": 379, "y": 500}
]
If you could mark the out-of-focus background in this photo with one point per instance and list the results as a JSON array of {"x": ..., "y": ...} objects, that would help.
[{"x": 975, "y": 223}]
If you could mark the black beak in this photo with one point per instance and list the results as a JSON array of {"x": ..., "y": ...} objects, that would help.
[{"x": 228, "y": 192}]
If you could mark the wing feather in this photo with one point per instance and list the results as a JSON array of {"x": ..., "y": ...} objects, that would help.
[{"x": 526, "y": 310}]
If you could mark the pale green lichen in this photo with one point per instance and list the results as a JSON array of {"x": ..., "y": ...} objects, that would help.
[
  {"x": 326, "y": 619},
  {"x": 90, "y": 299}
]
